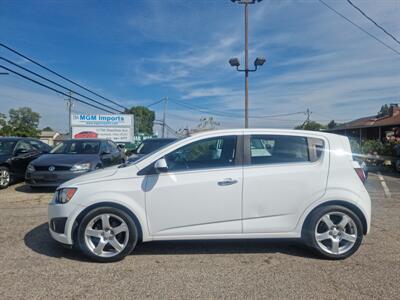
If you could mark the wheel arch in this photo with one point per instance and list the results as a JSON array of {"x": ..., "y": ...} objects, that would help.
[
  {"x": 79, "y": 218},
  {"x": 345, "y": 204}
]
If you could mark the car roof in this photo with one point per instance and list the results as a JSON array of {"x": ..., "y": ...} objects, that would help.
[
  {"x": 15, "y": 138},
  {"x": 86, "y": 140},
  {"x": 263, "y": 131},
  {"x": 159, "y": 139}
]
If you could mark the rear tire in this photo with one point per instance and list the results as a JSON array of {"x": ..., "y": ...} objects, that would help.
[
  {"x": 333, "y": 232},
  {"x": 5, "y": 177},
  {"x": 107, "y": 234}
]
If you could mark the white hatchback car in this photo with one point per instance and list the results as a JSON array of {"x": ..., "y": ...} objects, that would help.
[{"x": 225, "y": 184}]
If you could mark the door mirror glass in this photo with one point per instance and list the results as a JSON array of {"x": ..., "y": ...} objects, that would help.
[
  {"x": 21, "y": 151},
  {"x": 161, "y": 166}
]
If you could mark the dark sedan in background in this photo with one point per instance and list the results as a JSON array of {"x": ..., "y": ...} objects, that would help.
[
  {"x": 71, "y": 159},
  {"x": 15, "y": 155},
  {"x": 148, "y": 146}
]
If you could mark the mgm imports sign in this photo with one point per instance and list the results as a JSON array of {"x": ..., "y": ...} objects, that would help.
[{"x": 118, "y": 128}]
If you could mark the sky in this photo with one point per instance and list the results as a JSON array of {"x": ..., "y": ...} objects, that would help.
[{"x": 137, "y": 52}]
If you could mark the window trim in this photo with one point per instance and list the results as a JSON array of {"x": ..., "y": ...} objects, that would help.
[{"x": 238, "y": 161}]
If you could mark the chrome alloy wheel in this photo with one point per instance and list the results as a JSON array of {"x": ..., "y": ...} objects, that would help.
[
  {"x": 4, "y": 178},
  {"x": 336, "y": 233},
  {"x": 106, "y": 235}
]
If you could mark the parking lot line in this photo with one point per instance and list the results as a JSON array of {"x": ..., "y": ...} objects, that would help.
[{"x": 384, "y": 185}]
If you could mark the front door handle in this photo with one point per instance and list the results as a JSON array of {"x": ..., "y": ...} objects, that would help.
[{"x": 227, "y": 181}]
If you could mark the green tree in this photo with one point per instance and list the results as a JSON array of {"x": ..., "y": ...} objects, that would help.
[
  {"x": 144, "y": 119},
  {"x": 23, "y": 122},
  {"x": 311, "y": 125},
  {"x": 384, "y": 111},
  {"x": 332, "y": 124},
  {"x": 47, "y": 128}
]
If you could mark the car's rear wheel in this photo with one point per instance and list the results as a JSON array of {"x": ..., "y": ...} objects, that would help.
[
  {"x": 334, "y": 232},
  {"x": 107, "y": 234},
  {"x": 5, "y": 177}
]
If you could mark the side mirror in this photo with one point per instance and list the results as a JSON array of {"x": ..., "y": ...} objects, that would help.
[
  {"x": 21, "y": 151},
  {"x": 105, "y": 152},
  {"x": 161, "y": 166}
]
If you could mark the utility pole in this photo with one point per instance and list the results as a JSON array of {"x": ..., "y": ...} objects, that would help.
[
  {"x": 70, "y": 105},
  {"x": 308, "y": 113},
  {"x": 164, "y": 116}
]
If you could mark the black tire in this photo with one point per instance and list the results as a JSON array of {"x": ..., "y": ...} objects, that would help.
[
  {"x": 132, "y": 228},
  {"x": 309, "y": 238},
  {"x": 4, "y": 184}
]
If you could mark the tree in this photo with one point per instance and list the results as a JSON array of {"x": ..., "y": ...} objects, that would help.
[
  {"x": 310, "y": 125},
  {"x": 332, "y": 124},
  {"x": 21, "y": 122},
  {"x": 47, "y": 128},
  {"x": 144, "y": 119},
  {"x": 384, "y": 111}
]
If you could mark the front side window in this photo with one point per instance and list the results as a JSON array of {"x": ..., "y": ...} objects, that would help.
[
  {"x": 209, "y": 153},
  {"x": 272, "y": 149}
]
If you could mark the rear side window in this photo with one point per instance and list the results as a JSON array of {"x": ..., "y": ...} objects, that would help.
[{"x": 275, "y": 149}]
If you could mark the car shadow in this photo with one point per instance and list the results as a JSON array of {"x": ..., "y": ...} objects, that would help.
[
  {"x": 27, "y": 189},
  {"x": 39, "y": 240}
]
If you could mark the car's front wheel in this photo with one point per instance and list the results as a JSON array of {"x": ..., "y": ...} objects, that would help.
[
  {"x": 5, "y": 177},
  {"x": 107, "y": 234},
  {"x": 334, "y": 232}
]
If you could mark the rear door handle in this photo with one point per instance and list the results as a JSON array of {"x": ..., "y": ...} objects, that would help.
[{"x": 227, "y": 181}]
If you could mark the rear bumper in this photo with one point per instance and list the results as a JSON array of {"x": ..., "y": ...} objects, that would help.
[{"x": 49, "y": 179}]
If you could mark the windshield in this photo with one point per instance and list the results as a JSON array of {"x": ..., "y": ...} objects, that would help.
[
  {"x": 77, "y": 147},
  {"x": 149, "y": 146},
  {"x": 6, "y": 147}
]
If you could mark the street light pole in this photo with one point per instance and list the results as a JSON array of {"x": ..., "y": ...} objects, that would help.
[
  {"x": 164, "y": 116},
  {"x": 246, "y": 66},
  {"x": 234, "y": 62}
]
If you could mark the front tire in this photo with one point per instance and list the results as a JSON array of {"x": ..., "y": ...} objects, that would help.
[
  {"x": 333, "y": 232},
  {"x": 5, "y": 177},
  {"x": 107, "y": 234}
]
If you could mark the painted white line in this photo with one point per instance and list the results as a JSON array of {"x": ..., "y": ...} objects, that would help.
[{"x": 386, "y": 190}]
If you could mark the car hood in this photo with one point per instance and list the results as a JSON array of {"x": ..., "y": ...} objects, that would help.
[
  {"x": 64, "y": 159},
  {"x": 4, "y": 157},
  {"x": 91, "y": 176}
]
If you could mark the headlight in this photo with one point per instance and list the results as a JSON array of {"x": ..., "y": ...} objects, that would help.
[
  {"x": 63, "y": 196},
  {"x": 80, "y": 167},
  {"x": 31, "y": 168}
]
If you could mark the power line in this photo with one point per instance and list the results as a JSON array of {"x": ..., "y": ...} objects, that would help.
[
  {"x": 374, "y": 22},
  {"x": 57, "y": 84},
  {"x": 53, "y": 89},
  {"x": 61, "y": 76},
  {"x": 225, "y": 114},
  {"x": 359, "y": 27},
  {"x": 154, "y": 103}
]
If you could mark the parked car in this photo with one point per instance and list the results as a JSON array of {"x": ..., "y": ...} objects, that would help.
[
  {"x": 15, "y": 155},
  {"x": 214, "y": 186},
  {"x": 71, "y": 159},
  {"x": 148, "y": 146}
]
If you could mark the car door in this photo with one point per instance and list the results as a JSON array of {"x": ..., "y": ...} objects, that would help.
[
  {"x": 201, "y": 193},
  {"x": 283, "y": 174},
  {"x": 24, "y": 153},
  {"x": 115, "y": 153},
  {"x": 105, "y": 154}
]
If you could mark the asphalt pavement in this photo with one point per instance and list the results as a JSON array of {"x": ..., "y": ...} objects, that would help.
[{"x": 34, "y": 267}]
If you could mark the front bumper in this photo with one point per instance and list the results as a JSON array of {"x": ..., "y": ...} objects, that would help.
[
  {"x": 50, "y": 179},
  {"x": 62, "y": 221}
]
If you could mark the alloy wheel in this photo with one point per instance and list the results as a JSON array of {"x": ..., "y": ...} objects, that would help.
[
  {"x": 336, "y": 233},
  {"x": 4, "y": 178},
  {"x": 106, "y": 235}
]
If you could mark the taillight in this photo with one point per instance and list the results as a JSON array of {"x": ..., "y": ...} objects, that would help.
[{"x": 361, "y": 174}]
